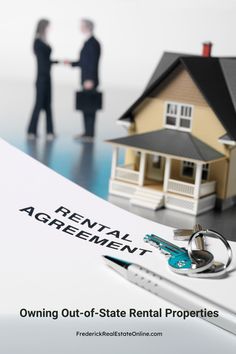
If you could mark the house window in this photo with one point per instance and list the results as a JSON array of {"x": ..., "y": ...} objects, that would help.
[
  {"x": 156, "y": 162},
  {"x": 188, "y": 169},
  {"x": 178, "y": 116},
  {"x": 205, "y": 171}
]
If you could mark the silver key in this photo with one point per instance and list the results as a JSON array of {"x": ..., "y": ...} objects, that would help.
[
  {"x": 178, "y": 258},
  {"x": 185, "y": 234},
  {"x": 217, "y": 269}
]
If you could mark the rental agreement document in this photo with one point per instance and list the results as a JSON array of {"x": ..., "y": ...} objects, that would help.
[{"x": 52, "y": 238}]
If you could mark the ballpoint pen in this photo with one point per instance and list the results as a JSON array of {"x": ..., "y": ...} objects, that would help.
[{"x": 172, "y": 292}]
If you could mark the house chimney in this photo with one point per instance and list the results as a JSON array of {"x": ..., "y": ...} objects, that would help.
[{"x": 206, "y": 49}]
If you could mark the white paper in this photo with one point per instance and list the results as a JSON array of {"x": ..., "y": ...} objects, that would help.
[{"x": 42, "y": 267}]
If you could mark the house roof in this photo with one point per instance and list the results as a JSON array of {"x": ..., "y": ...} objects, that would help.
[
  {"x": 171, "y": 142},
  {"x": 225, "y": 137},
  {"x": 215, "y": 78},
  {"x": 166, "y": 61}
]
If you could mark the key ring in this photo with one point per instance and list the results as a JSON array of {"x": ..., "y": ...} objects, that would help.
[{"x": 216, "y": 235}]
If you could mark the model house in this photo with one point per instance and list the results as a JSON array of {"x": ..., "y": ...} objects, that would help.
[{"x": 180, "y": 151}]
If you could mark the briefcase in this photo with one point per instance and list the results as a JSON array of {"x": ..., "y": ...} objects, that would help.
[{"x": 88, "y": 100}]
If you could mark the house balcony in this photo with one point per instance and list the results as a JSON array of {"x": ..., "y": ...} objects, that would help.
[
  {"x": 188, "y": 189},
  {"x": 135, "y": 183},
  {"x": 127, "y": 173},
  {"x": 153, "y": 197}
]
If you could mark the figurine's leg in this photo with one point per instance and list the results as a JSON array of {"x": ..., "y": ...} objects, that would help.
[
  {"x": 85, "y": 118},
  {"x": 32, "y": 129},
  {"x": 89, "y": 123},
  {"x": 48, "y": 109}
]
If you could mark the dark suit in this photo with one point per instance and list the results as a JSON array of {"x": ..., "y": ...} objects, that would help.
[
  {"x": 42, "y": 52},
  {"x": 89, "y": 62}
]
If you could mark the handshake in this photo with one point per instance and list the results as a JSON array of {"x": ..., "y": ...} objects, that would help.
[
  {"x": 87, "y": 84},
  {"x": 66, "y": 62}
]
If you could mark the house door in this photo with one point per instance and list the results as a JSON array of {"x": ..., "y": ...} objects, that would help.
[{"x": 155, "y": 167}]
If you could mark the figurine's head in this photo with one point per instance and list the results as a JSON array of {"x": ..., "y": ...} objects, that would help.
[
  {"x": 42, "y": 28},
  {"x": 86, "y": 27}
]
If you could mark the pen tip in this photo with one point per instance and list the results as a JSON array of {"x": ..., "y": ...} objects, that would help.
[{"x": 117, "y": 264}]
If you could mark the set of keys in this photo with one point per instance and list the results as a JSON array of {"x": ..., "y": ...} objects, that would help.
[{"x": 195, "y": 260}]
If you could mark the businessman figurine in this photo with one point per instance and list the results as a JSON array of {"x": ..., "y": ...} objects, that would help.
[{"x": 88, "y": 63}]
